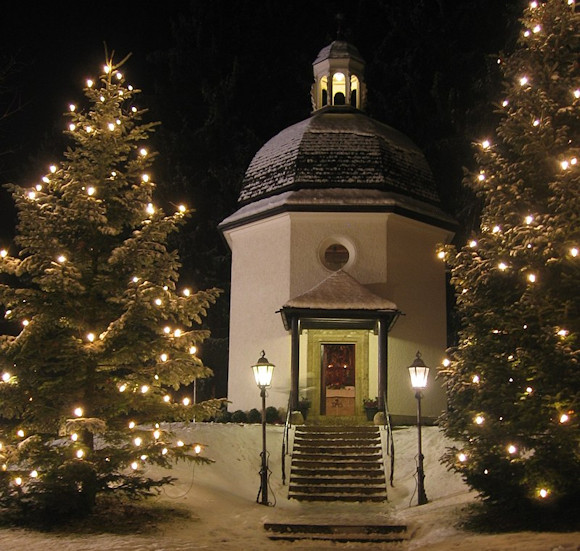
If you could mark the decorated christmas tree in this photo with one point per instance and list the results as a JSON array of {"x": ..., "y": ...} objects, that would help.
[
  {"x": 513, "y": 379},
  {"x": 104, "y": 341}
]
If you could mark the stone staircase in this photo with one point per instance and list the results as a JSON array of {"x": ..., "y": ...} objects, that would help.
[{"x": 335, "y": 463}]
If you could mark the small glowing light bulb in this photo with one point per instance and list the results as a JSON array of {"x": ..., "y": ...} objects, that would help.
[
  {"x": 74, "y": 436},
  {"x": 496, "y": 229},
  {"x": 565, "y": 165},
  {"x": 577, "y": 93},
  {"x": 111, "y": 126},
  {"x": 6, "y": 377},
  {"x": 473, "y": 243},
  {"x": 167, "y": 329},
  {"x": 177, "y": 333},
  {"x": 135, "y": 279},
  {"x": 91, "y": 190},
  {"x": 71, "y": 126},
  {"x": 78, "y": 412},
  {"x": 462, "y": 457},
  {"x": 89, "y": 83},
  {"x": 532, "y": 278},
  {"x": 505, "y": 103},
  {"x": 446, "y": 362},
  {"x": 181, "y": 208},
  {"x": 131, "y": 424},
  {"x": 72, "y": 107},
  {"x": 502, "y": 266},
  {"x": 512, "y": 449},
  {"x": 186, "y": 292},
  {"x": 20, "y": 433},
  {"x": 123, "y": 388},
  {"x": 34, "y": 474},
  {"x": 527, "y": 33},
  {"x": 163, "y": 357},
  {"x": 533, "y": 5},
  {"x": 186, "y": 401},
  {"x": 197, "y": 449},
  {"x": 25, "y": 322},
  {"x": 485, "y": 144},
  {"x": 479, "y": 420},
  {"x": 137, "y": 441},
  {"x": 144, "y": 389},
  {"x": 89, "y": 129},
  {"x": 543, "y": 493},
  {"x": 107, "y": 69},
  {"x": 475, "y": 379},
  {"x": 481, "y": 176},
  {"x": 134, "y": 465},
  {"x": 145, "y": 177},
  {"x": 537, "y": 29},
  {"x": 529, "y": 219},
  {"x": 32, "y": 195},
  {"x": 4, "y": 254},
  {"x": 574, "y": 251},
  {"x": 167, "y": 398},
  {"x": 18, "y": 481},
  {"x": 536, "y": 122},
  {"x": 119, "y": 75},
  {"x": 80, "y": 454},
  {"x": 61, "y": 259},
  {"x": 180, "y": 444},
  {"x": 158, "y": 301},
  {"x": 90, "y": 337},
  {"x": 441, "y": 255},
  {"x": 150, "y": 208},
  {"x": 523, "y": 81},
  {"x": 164, "y": 451},
  {"x": 192, "y": 349},
  {"x": 529, "y": 389},
  {"x": 563, "y": 332},
  {"x": 564, "y": 418},
  {"x": 143, "y": 152},
  {"x": 156, "y": 434}
]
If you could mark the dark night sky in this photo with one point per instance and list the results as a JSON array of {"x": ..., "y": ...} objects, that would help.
[{"x": 57, "y": 46}]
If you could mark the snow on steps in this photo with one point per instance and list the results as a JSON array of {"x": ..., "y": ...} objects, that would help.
[
  {"x": 344, "y": 533},
  {"x": 337, "y": 464}
]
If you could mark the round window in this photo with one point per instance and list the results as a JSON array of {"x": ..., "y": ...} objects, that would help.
[{"x": 335, "y": 256}]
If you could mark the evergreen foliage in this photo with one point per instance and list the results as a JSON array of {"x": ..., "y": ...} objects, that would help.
[
  {"x": 102, "y": 337},
  {"x": 513, "y": 380}
]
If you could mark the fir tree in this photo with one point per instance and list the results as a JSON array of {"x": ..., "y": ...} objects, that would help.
[
  {"x": 514, "y": 378},
  {"x": 105, "y": 339}
]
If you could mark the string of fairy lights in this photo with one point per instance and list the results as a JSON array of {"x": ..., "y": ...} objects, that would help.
[
  {"x": 566, "y": 163},
  {"x": 144, "y": 436}
]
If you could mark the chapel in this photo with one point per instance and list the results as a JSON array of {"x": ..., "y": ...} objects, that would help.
[{"x": 335, "y": 272}]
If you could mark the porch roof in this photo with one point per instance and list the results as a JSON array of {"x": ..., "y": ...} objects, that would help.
[{"x": 339, "y": 296}]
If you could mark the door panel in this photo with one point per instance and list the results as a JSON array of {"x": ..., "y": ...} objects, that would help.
[{"x": 338, "y": 387}]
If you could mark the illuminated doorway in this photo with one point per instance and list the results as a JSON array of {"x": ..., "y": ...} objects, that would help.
[{"x": 338, "y": 387}]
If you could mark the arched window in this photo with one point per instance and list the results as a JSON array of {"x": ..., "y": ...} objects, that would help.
[
  {"x": 338, "y": 89},
  {"x": 323, "y": 91},
  {"x": 354, "y": 91}
]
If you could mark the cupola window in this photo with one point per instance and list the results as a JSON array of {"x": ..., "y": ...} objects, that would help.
[
  {"x": 354, "y": 87},
  {"x": 338, "y": 89},
  {"x": 324, "y": 91}
]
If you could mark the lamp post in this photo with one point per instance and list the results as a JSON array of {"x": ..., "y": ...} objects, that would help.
[
  {"x": 263, "y": 371},
  {"x": 419, "y": 372}
]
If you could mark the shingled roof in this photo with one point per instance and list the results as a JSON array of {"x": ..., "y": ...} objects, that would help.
[
  {"x": 339, "y": 147},
  {"x": 340, "y": 291}
]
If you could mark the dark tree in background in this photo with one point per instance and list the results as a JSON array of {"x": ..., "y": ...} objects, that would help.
[
  {"x": 105, "y": 335},
  {"x": 514, "y": 378}
]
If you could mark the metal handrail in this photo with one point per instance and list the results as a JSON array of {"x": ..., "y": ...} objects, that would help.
[
  {"x": 390, "y": 439},
  {"x": 285, "y": 440}
]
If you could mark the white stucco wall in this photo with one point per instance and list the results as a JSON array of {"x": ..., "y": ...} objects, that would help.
[
  {"x": 278, "y": 258},
  {"x": 260, "y": 286}
]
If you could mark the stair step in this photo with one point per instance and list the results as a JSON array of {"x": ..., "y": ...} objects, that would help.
[
  {"x": 350, "y": 451},
  {"x": 343, "y": 480},
  {"x": 338, "y": 458},
  {"x": 338, "y": 497},
  {"x": 286, "y": 528},
  {"x": 376, "y": 472},
  {"x": 337, "y": 489},
  {"x": 344, "y": 533},
  {"x": 317, "y": 463},
  {"x": 337, "y": 428}
]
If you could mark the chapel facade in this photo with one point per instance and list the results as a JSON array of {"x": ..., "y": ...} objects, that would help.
[{"x": 335, "y": 272}]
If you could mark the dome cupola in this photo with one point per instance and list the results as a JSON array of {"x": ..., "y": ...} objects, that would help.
[{"x": 338, "y": 77}]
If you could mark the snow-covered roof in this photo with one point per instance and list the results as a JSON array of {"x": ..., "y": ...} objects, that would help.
[
  {"x": 339, "y": 147},
  {"x": 340, "y": 291},
  {"x": 337, "y": 50}
]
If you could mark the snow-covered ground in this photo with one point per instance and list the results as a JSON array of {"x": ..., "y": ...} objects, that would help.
[{"x": 225, "y": 516}]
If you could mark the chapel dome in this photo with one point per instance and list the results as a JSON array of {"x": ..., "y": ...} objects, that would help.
[{"x": 339, "y": 147}]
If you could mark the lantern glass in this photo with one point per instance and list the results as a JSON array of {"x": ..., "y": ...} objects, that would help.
[
  {"x": 419, "y": 376},
  {"x": 263, "y": 371}
]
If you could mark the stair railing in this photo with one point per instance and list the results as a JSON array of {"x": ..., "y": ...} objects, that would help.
[
  {"x": 285, "y": 439},
  {"x": 390, "y": 440}
]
